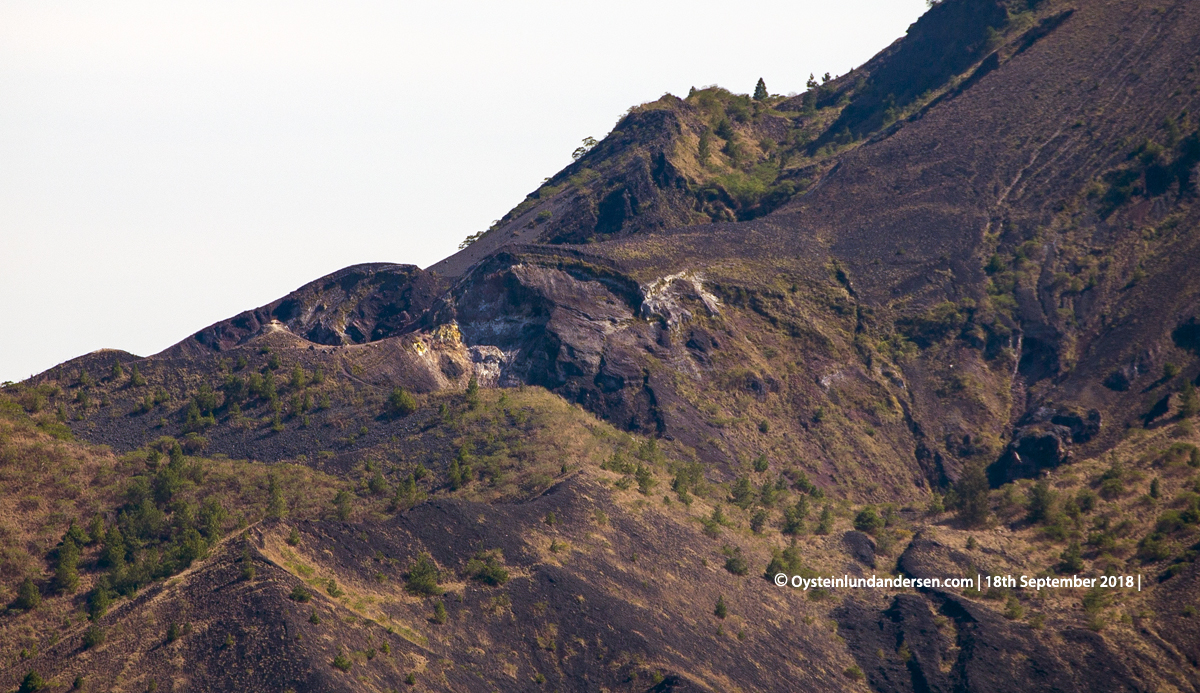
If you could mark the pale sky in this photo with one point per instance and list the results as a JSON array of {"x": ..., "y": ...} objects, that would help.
[{"x": 165, "y": 165}]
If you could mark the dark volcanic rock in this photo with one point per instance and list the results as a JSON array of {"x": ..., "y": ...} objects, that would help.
[
  {"x": 1033, "y": 449},
  {"x": 354, "y": 305},
  {"x": 860, "y": 546}
]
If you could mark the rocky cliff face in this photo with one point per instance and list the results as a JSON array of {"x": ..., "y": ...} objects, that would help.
[{"x": 356, "y": 305}]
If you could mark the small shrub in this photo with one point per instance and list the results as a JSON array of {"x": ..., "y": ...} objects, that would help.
[
  {"x": 1189, "y": 402},
  {"x": 1071, "y": 559},
  {"x": 31, "y": 683},
  {"x": 1013, "y": 609},
  {"x": 314, "y": 618},
  {"x": 248, "y": 569},
  {"x": 735, "y": 563},
  {"x": 341, "y": 662},
  {"x": 758, "y": 520},
  {"x": 868, "y": 520},
  {"x": 93, "y": 637},
  {"x": 794, "y": 517},
  {"x": 293, "y": 537},
  {"x": 422, "y": 578},
  {"x": 28, "y": 596},
  {"x": 853, "y": 672},
  {"x": 1154, "y": 547},
  {"x": 1041, "y": 502},
  {"x": 99, "y": 600},
  {"x": 787, "y": 561},
  {"x": 972, "y": 492},
  {"x": 341, "y": 504},
  {"x": 485, "y": 567},
  {"x": 825, "y": 523},
  {"x": 439, "y": 612},
  {"x": 742, "y": 493},
  {"x": 721, "y": 611},
  {"x": 472, "y": 395},
  {"x": 1086, "y": 500},
  {"x": 645, "y": 479},
  {"x": 66, "y": 571},
  {"x": 401, "y": 402},
  {"x": 300, "y": 594}
]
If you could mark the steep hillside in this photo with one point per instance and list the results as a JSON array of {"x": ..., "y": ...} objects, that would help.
[{"x": 938, "y": 317}]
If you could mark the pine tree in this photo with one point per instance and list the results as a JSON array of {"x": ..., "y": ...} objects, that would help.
[
  {"x": 758, "y": 520},
  {"x": 66, "y": 569},
  {"x": 742, "y": 493},
  {"x": 100, "y": 598},
  {"x": 760, "y": 90},
  {"x": 76, "y": 534},
  {"x": 96, "y": 529},
  {"x": 277, "y": 506},
  {"x": 299, "y": 378},
  {"x": 248, "y": 568},
  {"x": 341, "y": 504},
  {"x": 972, "y": 491},
  {"x": 1189, "y": 403},
  {"x": 794, "y": 517},
  {"x": 705, "y": 146},
  {"x": 473, "y": 393},
  {"x": 1072, "y": 559},
  {"x": 825, "y": 523},
  {"x": 93, "y": 637},
  {"x": 1041, "y": 502}
]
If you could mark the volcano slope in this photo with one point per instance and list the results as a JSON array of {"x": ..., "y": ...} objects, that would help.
[{"x": 936, "y": 317}]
